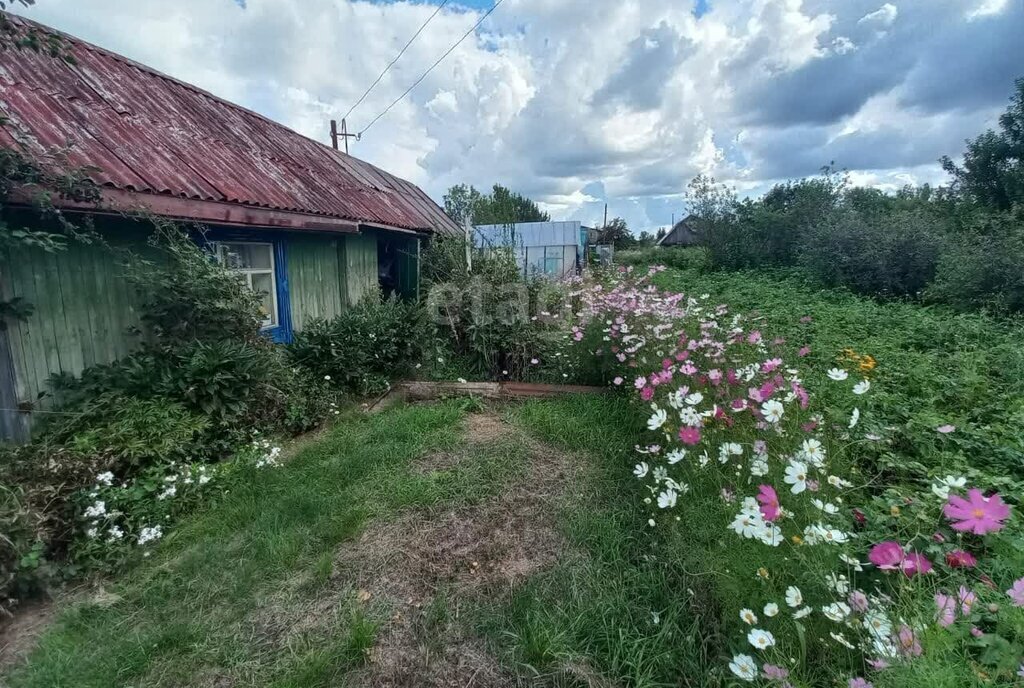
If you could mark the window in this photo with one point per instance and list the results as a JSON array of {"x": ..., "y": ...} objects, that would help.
[
  {"x": 255, "y": 265},
  {"x": 553, "y": 260}
]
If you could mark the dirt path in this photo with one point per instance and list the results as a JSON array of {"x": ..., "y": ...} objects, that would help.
[{"x": 420, "y": 569}]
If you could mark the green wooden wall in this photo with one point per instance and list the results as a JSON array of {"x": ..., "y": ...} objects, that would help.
[
  {"x": 83, "y": 309},
  {"x": 315, "y": 278},
  {"x": 359, "y": 258}
]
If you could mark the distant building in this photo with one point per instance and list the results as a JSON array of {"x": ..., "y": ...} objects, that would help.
[
  {"x": 684, "y": 233},
  {"x": 556, "y": 249}
]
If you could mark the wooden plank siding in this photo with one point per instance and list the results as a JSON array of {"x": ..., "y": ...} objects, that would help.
[
  {"x": 360, "y": 262},
  {"x": 83, "y": 309},
  {"x": 409, "y": 268},
  {"x": 315, "y": 275}
]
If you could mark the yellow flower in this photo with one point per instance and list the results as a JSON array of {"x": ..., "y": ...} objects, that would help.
[
  {"x": 797, "y": 540},
  {"x": 762, "y": 572},
  {"x": 894, "y": 510}
]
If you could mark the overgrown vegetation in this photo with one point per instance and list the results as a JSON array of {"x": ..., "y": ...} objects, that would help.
[
  {"x": 124, "y": 447},
  {"x": 959, "y": 245}
]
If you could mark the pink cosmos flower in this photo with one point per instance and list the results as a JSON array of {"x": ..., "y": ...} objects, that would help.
[
  {"x": 1016, "y": 593},
  {"x": 647, "y": 393},
  {"x": 976, "y": 632},
  {"x": 945, "y": 429},
  {"x": 907, "y": 642},
  {"x": 640, "y": 382},
  {"x": 967, "y": 598},
  {"x": 806, "y": 319},
  {"x": 690, "y": 436},
  {"x": 775, "y": 673},
  {"x": 947, "y": 609},
  {"x": 578, "y": 335},
  {"x": 959, "y": 559},
  {"x": 617, "y": 381},
  {"x": 760, "y": 447},
  {"x": 860, "y": 683},
  {"x": 810, "y": 426},
  {"x": 977, "y": 514},
  {"x": 878, "y": 664},
  {"x": 769, "y": 501},
  {"x": 858, "y": 601},
  {"x": 890, "y": 556},
  {"x": 754, "y": 337},
  {"x": 804, "y": 350}
]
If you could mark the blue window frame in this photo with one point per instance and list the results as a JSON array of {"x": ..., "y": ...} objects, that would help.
[{"x": 246, "y": 251}]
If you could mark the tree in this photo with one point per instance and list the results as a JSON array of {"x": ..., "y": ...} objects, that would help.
[
  {"x": 501, "y": 206},
  {"x": 993, "y": 169},
  {"x": 617, "y": 233}
]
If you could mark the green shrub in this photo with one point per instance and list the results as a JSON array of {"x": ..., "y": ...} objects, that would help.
[
  {"x": 893, "y": 255},
  {"x": 132, "y": 431},
  {"x": 364, "y": 347},
  {"x": 678, "y": 257},
  {"x": 983, "y": 267}
]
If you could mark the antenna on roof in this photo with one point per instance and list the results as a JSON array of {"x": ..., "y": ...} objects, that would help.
[{"x": 343, "y": 134}]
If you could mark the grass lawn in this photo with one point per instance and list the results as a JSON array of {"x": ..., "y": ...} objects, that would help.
[{"x": 428, "y": 545}]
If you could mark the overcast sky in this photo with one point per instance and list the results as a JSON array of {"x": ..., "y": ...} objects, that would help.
[{"x": 579, "y": 102}]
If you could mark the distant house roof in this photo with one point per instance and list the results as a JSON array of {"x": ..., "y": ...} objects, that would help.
[
  {"x": 531, "y": 234},
  {"x": 180, "y": 151},
  {"x": 683, "y": 233}
]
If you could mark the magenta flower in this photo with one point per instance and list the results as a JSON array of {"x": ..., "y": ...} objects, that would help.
[
  {"x": 961, "y": 559},
  {"x": 690, "y": 436},
  {"x": 977, "y": 514},
  {"x": 888, "y": 555},
  {"x": 976, "y": 632},
  {"x": 769, "y": 501},
  {"x": 647, "y": 393},
  {"x": 947, "y": 609},
  {"x": 803, "y": 351},
  {"x": 907, "y": 642},
  {"x": 1016, "y": 593}
]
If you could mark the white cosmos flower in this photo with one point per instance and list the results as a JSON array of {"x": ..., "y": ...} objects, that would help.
[
  {"x": 667, "y": 499},
  {"x": 836, "y": 481},
  {"x": 862, "y": 387},
  {"x": 748, "y": 616},
  {"x": 838, "y": 374},
  {"x": 837, "y": 611},
  {"x": 105, "y": 478},
  {"x": 771, "y": 609},
  {"x": 760, "y": 639},
  {"x": 812, "y": 451},
  {"x": 941, "y": 488},
  {"x": 796, "y": 475},
  {"x": 851, "y": 562},
  {"x": 769, "y": 534},
  {"x": 759, "y": 466},
  {"x": 641, "y": 469},
  {"x": 801, "y": 613},
  {"x": 794, "y": 598},
  {"x": 91, "y": 532},
  {"x": 854, "y": 418},
  {"x": 841, "y": 639},
  {"x": 878, "y": 623},
  {"x": 744, "y": 667},
  {"x": 772, "y": 411},
  {"x": 97, "y": 509},
  {"x": 657, "y": 419},
  {"x": 747, "y": 525},
  {"x": 690, "y": 418},
  {"x": 827, "y": 507},
  {"x": 694, "y": 398},
  {"x": 838, "y": 583},
  {"x": 675, "y": 456}
]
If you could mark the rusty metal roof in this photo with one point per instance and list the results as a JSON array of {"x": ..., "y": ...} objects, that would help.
[{"x": 150, "y": 134}]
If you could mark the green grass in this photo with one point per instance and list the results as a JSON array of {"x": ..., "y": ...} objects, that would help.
[{"x": 196, "y": 607}]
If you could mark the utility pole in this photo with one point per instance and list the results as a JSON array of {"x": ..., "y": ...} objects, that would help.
[
  {"x": 469, "y": 243},
  {"x": 343, "y": 134},
  {"x": 605, "y": 226}
]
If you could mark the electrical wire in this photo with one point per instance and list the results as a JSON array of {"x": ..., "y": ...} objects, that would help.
[
  {"x": 397, "y": 57},
  {"x": 439, "y": 60}
]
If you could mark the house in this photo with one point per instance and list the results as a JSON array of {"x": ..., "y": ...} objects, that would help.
[
  {"x": 310, "y": 228},
  {"x": 556, "y": 249},
  {"x": 683, "y": 233}
]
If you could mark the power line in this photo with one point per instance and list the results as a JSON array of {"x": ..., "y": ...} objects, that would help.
[
  {"x": 397, "y": 57},
  {"x": 439, "y": 60}
]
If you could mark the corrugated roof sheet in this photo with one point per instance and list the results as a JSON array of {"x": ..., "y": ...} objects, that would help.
[
  {"x": 147, "y": 132},
  {"x": 530, "y": 234}
]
